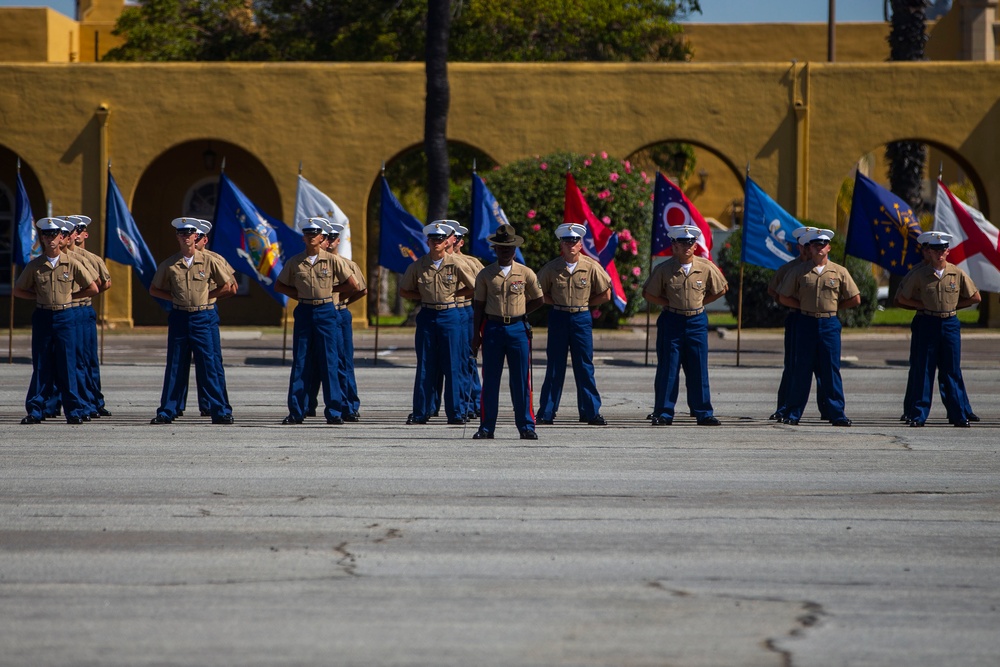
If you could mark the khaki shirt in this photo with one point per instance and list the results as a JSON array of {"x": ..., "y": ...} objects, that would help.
[
  {"x": 685, "y": 292},
  {"x": 940, "y": 295},
  {"x": 189, "y": 286},
  {"x": 315, "y": 280},
  {"x": 55, "y": 286},
  {"x": 475, "y": 266},
  {"x": 96, "y": 266},
  {"x": 574, "y": 289},
  {"x": 226, "y": 265},
  {"x": 775, "y": 282},
  {"x": 358, "y": 278},
  {"x": 437, "y": 285},
  {"x": 819, "y": 292},
  {"x": 507, "y": 295}
]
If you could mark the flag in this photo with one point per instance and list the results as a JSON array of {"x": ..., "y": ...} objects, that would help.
[
  {"x": 401, "y": 236},
  {"x": 310, "y": 202},
  {"x": 25, "y": 245},
  {"x": 882, "y": 228},
  {"x": 671, "y": 208},
  {"x": 767, "y": 230},
  {"x": 253, "y": 242},
  {"x": 486, "y": 217},
  {"x": 600, "y": 243},
  {"x": 122, "y": 241},
  {"x": 975, "y": 247}
]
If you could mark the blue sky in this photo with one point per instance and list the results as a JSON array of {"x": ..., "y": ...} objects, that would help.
[{"x": 713, "y": 11}]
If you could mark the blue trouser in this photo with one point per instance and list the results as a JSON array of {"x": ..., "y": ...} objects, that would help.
[
  {"x": 940, "y": 349},
  {"x": 93, "y": 361},
  {"x": 315, "y": 354},
  {"x": 345, "y": 372},
  {"x": 53, "y": 363},
  {"x": 912, "y": 379},
  {"x": 572, "y": 333},
  {"x": 817, "y": 349},
  {"x": 682, "y": 342},
  {"x": 786, "y": 374},
  {"x": 203, "y": 405},
  {"x": 475, "y": 386},
  {"x": 465, "y": 372},
  {"x": 438, "y": 342},
  {"x": 510, "y": 342},
  {"x": 192, "y": 334}
]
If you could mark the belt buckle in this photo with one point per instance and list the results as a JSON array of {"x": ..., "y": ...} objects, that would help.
[{"x": 506, "y": 319}]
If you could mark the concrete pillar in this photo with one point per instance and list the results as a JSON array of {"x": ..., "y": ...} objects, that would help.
[{"x": 978, "y": 29}]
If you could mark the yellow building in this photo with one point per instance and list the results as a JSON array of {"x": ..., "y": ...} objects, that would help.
[{"x": 802, "y": 126}]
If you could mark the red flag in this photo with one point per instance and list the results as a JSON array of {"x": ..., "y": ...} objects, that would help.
[
  {"x": 974, "y": 248},
  {"x": 600, "y": 243}
]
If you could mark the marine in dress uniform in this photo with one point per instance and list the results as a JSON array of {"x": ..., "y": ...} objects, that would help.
[
  {"x": 572, "y": 284},
  {"x": 938, "y": 289},
  {"x": 348, "y": 378},
  {"x": 791, "y": 319},
  {"x": 437, "y": 280},
  {"x": 506, "y": 292},
  {"x": 312, "y": 277},
  {"x": 912, "y": 381},
  {"x": 53, "y": 280},
  {"x": 183, "y": 279},
  {"x": 818, "y": 290},
  {"x": 683, "y": 285}
]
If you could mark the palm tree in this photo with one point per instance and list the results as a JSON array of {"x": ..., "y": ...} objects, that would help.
[{"x": 436, "y": 108}]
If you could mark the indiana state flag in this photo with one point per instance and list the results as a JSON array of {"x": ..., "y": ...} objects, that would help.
[
  {"x": 600, "y": 243},
  {"x": 26, "y": 246},
  {"x": 882, "y": 228},
  {"x": 767, "y": 230},
  {"x": 250, "y": 240},
  {"x": 487, "y": 216},
  {"x": 122, "y": 241},
  {"x": 401, "y": 236}
]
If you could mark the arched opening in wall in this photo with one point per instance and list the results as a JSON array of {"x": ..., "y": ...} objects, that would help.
[
  {"x": 406, "y": 174},
  {"x": 956, "y": 174},
  {"x": 712, "y": 182},
  {"x": 183, "y": 180},
  {"x": 8, "y": 197}
]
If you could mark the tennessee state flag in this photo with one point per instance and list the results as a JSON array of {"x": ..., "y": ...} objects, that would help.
[
  {"x": 670, "y": 208},
  {"x": 600, "y": 243}
]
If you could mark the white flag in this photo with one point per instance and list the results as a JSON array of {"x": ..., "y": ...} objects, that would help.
[
  {"x": 975, "y": 247},
  {"x": 310, "y": 202}
]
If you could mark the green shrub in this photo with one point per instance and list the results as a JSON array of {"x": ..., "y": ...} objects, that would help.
[{"x": 760, "y": 310}]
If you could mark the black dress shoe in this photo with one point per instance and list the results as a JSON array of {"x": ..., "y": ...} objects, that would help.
[
  {"x": 776, "y": 417},
  {"x": 223, "y": 419},
  {"x": 842, "y": 421},
  {"x": 457, "y": 421},
  {"x": 529, "y": 434},
  {"x": 543, "y": 422},
  {"x": 790, "y": 422},
  {"x": 709, "y": 421},
  {"x": 31, "y": 420},
  {"x": 650, "y": 416},
  {"x": 482, "y": 435},
  {"x": 287, "y": 421},
  {"x": 75, "y": 420},
  {"x": 973, "y": 417},
  {"x": 311, "y": 412},
  {"x": 180, "y": 413},
  {"x": 598, "y": 421},
  {"x": 413, "y": 419},
  {"x": 916, "y": 423},
  {"x": 95, "y": 415},
  {"x": 583, "y": 419},
  {"x": 353, "y": 417},
  {"x": 160, "y": 419},
  {"x": 205, "y": 413},
  {"x": 964, "y": 423},
  {"x": 662, "y": 421},
  {"x": 904, "y": 418},
  {"x": 84, "y": 418},
  {"x": 336, "y": 421},
  {"x": 104, "y": 412}
]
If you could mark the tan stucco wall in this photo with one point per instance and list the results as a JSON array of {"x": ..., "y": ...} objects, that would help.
[
  {"x": 801, "y": 128},
  {"x": 777, "y": 42},
  {"x": 37, "y": 34}
]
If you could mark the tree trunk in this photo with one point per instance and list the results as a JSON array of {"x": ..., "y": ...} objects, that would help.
[{"x": 436, "y": 109}]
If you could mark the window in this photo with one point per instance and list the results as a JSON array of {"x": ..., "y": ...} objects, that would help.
[{"x": 199, "y": 202}]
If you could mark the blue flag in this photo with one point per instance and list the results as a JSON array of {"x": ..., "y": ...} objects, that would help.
[
  {"x": 25, "y": 245},
  {"x": 486, "y": 217},
  {"x": 401, "y": 236},
  {"x": 767, "y": 230},
  {"x": 251, "y": 240},
  {"x": 882, "y": 228},
  {"x": 122, "y": 241}
]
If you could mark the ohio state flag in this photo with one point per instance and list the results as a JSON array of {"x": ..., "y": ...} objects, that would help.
[{"x": 975, "y": 247}]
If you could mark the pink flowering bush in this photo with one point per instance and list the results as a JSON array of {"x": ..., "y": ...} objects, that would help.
[{"x": 532, "y": 194}]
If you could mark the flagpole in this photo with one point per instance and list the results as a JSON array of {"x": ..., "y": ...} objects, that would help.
[
  {"x": 104, "y": 252},
  {"x": 378, "y": 292},
  {"x": 10, "y": 325},
  {"x": 739, "y": 301},
  {"x": 284, "y": 339}
]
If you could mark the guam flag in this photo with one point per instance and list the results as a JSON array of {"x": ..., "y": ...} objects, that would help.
[
  {"x": 250, "y": 240},
  {"x": 882, "y": 228},
  {"x": 670, "y": 208},
  {"x": 401, "y": 236},
  {"x": 487, "y": 216},
  {"x": 600, "y": 243}
]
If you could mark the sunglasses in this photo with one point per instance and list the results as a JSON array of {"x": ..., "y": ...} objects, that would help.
[
  {"x": 81, "y": 228},
  {"x": 819, "y": 243},
  {"x": 571, "y": 240},
  {"x": 311, "y": 232},
  {"x": 437, "y": 239},
  {"x": 49, "y": 232},
  {"x": 186, "y": 232},
  {"x": 684, "y": 241}
]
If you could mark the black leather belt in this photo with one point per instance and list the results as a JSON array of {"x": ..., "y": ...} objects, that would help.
[
  {"x": 505, "y": 319},
  {"x": 686, "y": 313}
]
